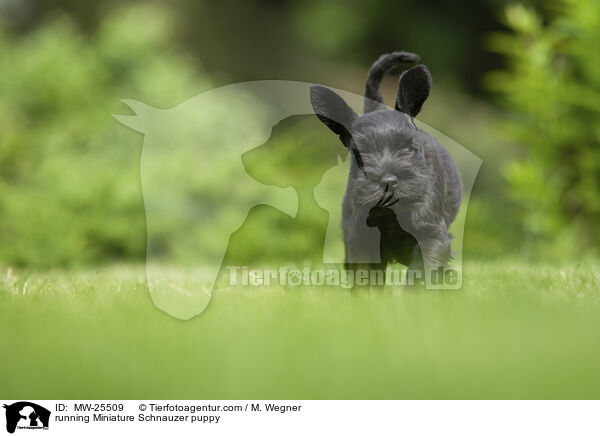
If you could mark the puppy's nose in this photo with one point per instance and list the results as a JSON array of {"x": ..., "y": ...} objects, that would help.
[{"x": 390, "y": 181}]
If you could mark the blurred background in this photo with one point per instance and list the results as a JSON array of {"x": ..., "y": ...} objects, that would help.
[{"x": 518, "y": 84}]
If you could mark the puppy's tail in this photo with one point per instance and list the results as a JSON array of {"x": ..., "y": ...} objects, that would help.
[{"x": 373, "y": 97}]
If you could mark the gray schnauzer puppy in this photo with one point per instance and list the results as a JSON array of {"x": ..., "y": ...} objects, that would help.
[{"x": 404, "y": 190}]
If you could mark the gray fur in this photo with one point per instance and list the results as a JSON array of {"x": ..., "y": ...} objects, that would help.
[
  {"x": 401, "y": 180},
  {"x": 386, "y": 62}
]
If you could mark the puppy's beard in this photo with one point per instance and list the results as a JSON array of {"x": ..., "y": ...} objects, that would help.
[
  {"x": 365, "y": 194},
  {"x": 412, "y": 190}
]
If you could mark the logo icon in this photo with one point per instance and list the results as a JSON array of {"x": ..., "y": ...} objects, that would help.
[{"x": 26, "y": 415}]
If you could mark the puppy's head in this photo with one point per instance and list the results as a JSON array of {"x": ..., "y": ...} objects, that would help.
[{"x": 389, "y": 163}]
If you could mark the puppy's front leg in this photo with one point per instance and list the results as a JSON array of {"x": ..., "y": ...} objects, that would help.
[
  {"x": 363, "y": 251},
  {"x": 361, "y": 240},
  {"x": 435, "y": 251}
]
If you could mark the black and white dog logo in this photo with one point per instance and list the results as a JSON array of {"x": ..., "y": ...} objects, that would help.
[{"x": 26, "y": 415}]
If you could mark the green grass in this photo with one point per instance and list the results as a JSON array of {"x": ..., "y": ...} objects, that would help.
[{"x": 513, "y": 331}]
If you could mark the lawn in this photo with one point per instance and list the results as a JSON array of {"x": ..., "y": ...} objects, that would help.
[{"x": 514, "y": 331}]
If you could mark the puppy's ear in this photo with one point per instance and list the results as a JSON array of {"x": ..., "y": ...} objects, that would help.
[
  {"x": 333, "y": 111},
  {"x": 413, "y": 90}
]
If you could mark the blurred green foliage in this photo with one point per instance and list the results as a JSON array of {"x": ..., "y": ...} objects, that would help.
[
  {"x": 315, "y": 40},
  {"x": 552, "y": 89},
  {"x": 69, "y": 174},
  {"x": 447, "y": 35}
]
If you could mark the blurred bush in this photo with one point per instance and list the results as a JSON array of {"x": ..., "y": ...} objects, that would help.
[
  {"x": 552, "y": 87},
  {"x": 315, "y": 40},
  {"x": 70, "y": 191},
  {"x": 69, "y": 173}
]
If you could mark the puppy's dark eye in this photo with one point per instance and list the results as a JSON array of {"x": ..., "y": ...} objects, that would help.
[
  {"x": 408, "y": 151},
  {"x": 412, "y": 150}
]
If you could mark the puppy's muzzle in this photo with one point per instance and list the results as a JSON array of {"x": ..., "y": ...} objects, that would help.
[
  {"x": 390, "y": 180},
  {"x": 387, "y": 199}
]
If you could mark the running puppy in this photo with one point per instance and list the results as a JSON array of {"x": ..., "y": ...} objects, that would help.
[{"x": 403, "y": 184}]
